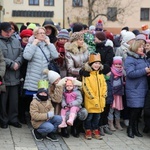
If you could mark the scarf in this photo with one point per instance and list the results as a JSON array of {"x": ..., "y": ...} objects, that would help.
[
  {"x": 61, "y": 50},
  {"x": 117, "y": 72}
]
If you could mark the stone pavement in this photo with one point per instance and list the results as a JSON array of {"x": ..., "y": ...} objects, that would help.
[{"x": 22, "y": 139}]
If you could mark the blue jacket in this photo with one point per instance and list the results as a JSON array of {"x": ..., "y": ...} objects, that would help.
[{"x": 136, "y": 80}]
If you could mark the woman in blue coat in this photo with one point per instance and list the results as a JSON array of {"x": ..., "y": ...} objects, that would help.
[{"x": 137, "y": 69}]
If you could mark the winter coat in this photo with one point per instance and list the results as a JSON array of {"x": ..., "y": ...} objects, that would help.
[
  {"x": 73, "y": 98},
  {"x": 106, "y": 53},
  {"x": 2, "y": 72},
  {"x": 39, "y": 110},
  {"x": 95, "y": 90},
  {"x": 12, "y": 52},
  {"x": 75, "y": 58},
  {"x": 136, "y": 80},
  {"x": 37, "y": 62}
]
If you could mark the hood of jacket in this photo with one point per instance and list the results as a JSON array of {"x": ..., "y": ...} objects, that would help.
[{"x": 73, "y": 47}]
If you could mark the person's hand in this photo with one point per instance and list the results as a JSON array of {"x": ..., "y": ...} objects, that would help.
[
  {"x": 36, "y": 41},
  {"x": 50, "y": 114},
  {"x": 147, "y": 70},
  {"x": 16, "y": 66},
  {"x": 84, "y": 73},
  {"x": 47, "y": 41}
]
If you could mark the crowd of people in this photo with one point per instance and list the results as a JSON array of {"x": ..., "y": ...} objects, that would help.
[{"x": 96, "y": 80}]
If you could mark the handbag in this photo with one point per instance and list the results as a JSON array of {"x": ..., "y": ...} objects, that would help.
[{"x": 52, "y": 65}]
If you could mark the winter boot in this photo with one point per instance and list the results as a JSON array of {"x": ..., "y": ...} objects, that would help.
[
  {"x": 64, "y": 132},
  {"x": 63, "y": 124},
  {"x": 88, "y": 134},
  {"x": 130, "y": 132},
  {"x": 136, "y": 130},
  {"x": 101, "y": 128},
  {"x": 106, "y": 130},
  {"x": 111, "y": 125},
  {"x": 71, "y": 119},
  {"x": 96, "y": 134},
  {"x": 118, "y": 126}
]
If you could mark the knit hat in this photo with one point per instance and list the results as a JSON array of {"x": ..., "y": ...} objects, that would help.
[
  {"x": 31, "y": 26},
  {"x": 64, "y": 34},
  {"x": 100, "y": 35},
  {"x": 92, "y": 27},
  {"x": 5, "y": 26},
  {"x": 141, "y": 37},
  {"x": 145, "y": 29},
  {"x": 117, "y": 60},
  {"x": 26, "y": 33},
  {"x": 94, "y": 58},
  {"x": 52, "y": 75},
  {"x": 125, "y": 28},
  {"x": 136, "y": 32},
  {"x": 109, "y": 35},
  {"x": 77, "y": 27},
  {"x": 99, "y": 26},
  {"x": 43, "y": 86},
  {"x": 76, "y": 36},
  {"x": 127, "y": 36}
]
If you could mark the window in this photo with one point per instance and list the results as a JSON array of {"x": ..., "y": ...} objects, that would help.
[
  {"x": 112, "y": 13},
  {"x": 77, "y": 3},
  {"x": 48, "y": 2},
  {"x": 33, "y": 2},
  {"x": 145, "y": 14}
]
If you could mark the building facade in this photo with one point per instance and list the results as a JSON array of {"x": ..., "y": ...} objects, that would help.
[{"x": 66, "y": 12}]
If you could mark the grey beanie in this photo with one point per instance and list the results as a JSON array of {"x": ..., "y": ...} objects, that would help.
[{"x": 63, "y": 34}]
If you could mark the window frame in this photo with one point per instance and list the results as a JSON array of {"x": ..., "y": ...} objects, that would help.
[
  {"x": 143, "y": 15},
  {"x": 34, "y": 2},
  {"x": 49, "y": 2},
  {"x": 112, "y": 11},
  {"x": 79, "y": 2}
]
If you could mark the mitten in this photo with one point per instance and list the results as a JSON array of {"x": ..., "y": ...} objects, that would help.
[
  {"x": 84, "y": 73},
  {"x": 50, "y": 114},
  {"x": 61, "y": 82}
]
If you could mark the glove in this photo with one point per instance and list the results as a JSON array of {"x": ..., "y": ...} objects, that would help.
[
  {"x": 50, "y": 114},
  {"x": 61, "y": 82},
  {"x": 84, "y": 73}
]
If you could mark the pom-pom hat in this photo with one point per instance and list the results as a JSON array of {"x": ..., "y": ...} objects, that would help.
[
  {"x": 99, "y": 26},
  {"x": 76, "y": 36}
]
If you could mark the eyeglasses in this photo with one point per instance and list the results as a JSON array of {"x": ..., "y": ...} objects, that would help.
[{"x": 41, "y": 33}]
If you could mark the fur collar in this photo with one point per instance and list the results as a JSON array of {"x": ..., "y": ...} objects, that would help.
[
  {"x": 88, "y": 68},
  {"x": 133, "y": 54},
  {"x": 73, "y": 48}
]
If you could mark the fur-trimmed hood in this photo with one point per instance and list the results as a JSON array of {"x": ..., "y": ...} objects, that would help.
[
  {"x": 73, "y": 47},
  {"x": 88, "y": 68}
]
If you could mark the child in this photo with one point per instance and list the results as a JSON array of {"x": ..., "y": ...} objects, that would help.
[
  {"x": 71, "y": 101},
  {"x": 42, "y": 114},
  {"x": 94, "y": 88},
  {"x": 117, "y": 90},
  {"x": 62, "y": 38}
]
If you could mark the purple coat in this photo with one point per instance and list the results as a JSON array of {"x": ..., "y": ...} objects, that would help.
[{"x": 136, "y": 80}]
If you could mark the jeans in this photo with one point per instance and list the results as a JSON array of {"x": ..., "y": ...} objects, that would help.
[
  {"x": 92, "y": 121},
  {"x": 51, "y": 125},
  {"x": 112, "y": 113}
]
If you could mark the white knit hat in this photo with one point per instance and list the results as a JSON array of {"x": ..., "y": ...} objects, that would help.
[
  {"x": 92, "y": 27},
  {"x": 52, "y": 75},
  {"x": 127, "y": 36}
]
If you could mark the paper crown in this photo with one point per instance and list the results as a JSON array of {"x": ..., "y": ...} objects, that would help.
[
  {"x": 94, "y": 58},
  {"x": 144, "y": 27},
  {"x": 43, "y": 84}
]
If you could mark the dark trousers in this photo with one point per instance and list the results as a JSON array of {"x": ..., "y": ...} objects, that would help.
[
  {"x": 135, "y": 114},
  {"x": 103, "y": 119},
  {"x": 92, "y": 121},
  {"x": 9, "y": 105}
]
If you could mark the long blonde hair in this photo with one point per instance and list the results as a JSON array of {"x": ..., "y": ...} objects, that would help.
[{"x": 135, "y": 45}]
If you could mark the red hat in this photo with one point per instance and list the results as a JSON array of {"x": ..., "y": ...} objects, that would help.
[
  {"x": 26, "y": 33},
  {"x": 109, "y": 35}
]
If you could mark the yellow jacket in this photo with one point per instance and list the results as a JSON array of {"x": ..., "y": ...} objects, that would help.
[{"x": 95, "y": 89}]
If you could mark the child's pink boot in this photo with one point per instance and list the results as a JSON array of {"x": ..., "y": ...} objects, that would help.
[
  {"x": 63, "y": 124},
  {"x": 71, "y": 119}
]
